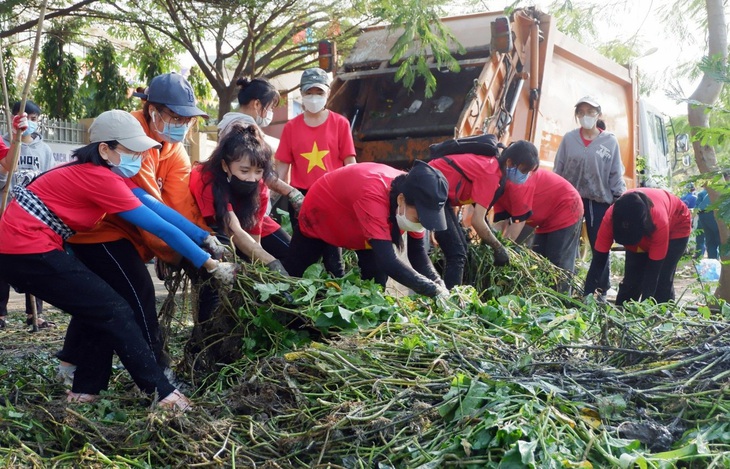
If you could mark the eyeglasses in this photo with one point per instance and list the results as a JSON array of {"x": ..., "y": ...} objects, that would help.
[
  {"x": 176, "y": 120},
  {"x": 591, "y": 113}
]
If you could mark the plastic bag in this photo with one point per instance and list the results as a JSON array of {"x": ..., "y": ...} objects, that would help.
[{"x": 709, "y": 270}]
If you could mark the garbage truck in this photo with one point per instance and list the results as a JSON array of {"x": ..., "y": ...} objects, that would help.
[{"x": 519, "y": 78}]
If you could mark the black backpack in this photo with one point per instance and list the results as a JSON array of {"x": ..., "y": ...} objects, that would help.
[{"x": 485, "y": 145}]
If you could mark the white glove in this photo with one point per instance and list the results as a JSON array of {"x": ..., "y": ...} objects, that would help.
[
  {"x": 225, "y": 272},
  {"x": 20, "y": 123},
  {"x": 214, "y": 247}
]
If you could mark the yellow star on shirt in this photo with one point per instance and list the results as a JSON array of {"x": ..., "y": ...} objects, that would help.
[{"x": 315, "y": 158}]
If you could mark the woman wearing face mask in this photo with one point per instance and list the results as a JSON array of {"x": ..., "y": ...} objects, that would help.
[
  {"x": 256, "y": 100},
  {"x": 114, "y": 247},
  {"x": 590, "y": 159},
  {"x": 314, "y": 144},
  {"x": 73, "y": 197},
  {"x": 552, "y": 206},
  {"x": 479, "y": 180},
  {"x": 367, "y": 207},
  {"x": 231, "y": 193}
]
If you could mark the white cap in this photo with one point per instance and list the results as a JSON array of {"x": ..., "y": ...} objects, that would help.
[{"x": 122, "y": 127}]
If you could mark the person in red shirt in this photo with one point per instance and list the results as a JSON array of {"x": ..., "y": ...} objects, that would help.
[
  {"x": 366, "y": 207},
  {"x": 479, "y": 180},
  {"x": 551, "y": 205},
  {"x": 654, "y": 227},
  {"x": 313, "y": 144},
  {"x": 74, "y": 197}
]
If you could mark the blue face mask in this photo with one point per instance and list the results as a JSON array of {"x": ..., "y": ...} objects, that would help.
[
  {"x": 32, "y": 127},
  {"x": 172, "y": 133},
  {"x": 128, "y": 166},
  {"x": 517, "y": 177}
]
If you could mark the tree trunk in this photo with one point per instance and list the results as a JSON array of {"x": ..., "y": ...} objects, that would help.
[{"x": 708, "y": 92}]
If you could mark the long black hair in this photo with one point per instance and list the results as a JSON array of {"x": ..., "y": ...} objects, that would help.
[
  {"x": 240, "y": 142},
  {"x": 395, "y": 190},
  {"x": 90, "y": 154},
  {"x": 257, "y": 88},
  {"x": 632, "y": 218}
]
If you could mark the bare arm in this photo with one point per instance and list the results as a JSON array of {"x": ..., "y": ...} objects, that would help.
[
  {"x": 245, "y": 242},
  {"x": 481, "y": 226}
]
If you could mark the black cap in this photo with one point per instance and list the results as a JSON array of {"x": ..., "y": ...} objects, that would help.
[
  {"x": 629, "y": 214},
  {"x": 30, "y": 108},
  {"x": 427, "y": 188}
]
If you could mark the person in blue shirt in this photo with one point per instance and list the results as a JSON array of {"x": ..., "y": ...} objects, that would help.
[
  {"x": 709, "y": 237},
  {"x": 690, "y": 198}
]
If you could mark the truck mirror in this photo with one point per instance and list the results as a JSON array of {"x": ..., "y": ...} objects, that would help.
[
  {"x": 681, "y": 143},
  {"x": 501, "y": 38}
]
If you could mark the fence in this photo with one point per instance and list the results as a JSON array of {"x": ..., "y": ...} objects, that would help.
[{"x": 56, "y": 130}]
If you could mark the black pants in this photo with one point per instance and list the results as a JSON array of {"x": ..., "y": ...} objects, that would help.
[
  {"x": 277, "y": 244},
  {"x": 560, "y": 247},
  {"x": 455, "y": 248},
  {"x": 119, "y": 265},
  {"x": 630, "y": 286},
  {"x": 594, "y": 212},
  {"x": 331, "y": 255},
  {"x": 305, "y": 251},
  {"x": 65, "y": 282},
  {"x": 710, "y": 235}
]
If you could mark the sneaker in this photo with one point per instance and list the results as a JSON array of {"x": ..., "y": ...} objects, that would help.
[
  {"x": 80, "y": 397},
  {"x": 65, "y": 374},
  {"x": 175, "y": 401},
  {"x": 2, "y": 322}
]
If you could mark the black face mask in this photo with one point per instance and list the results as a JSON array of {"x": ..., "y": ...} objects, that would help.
[{"x": 242, "y": 188}]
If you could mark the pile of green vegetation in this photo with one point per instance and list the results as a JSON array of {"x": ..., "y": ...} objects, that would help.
[{"x": 318, "y": 372}]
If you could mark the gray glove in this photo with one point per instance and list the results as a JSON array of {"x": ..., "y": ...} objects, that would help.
[
  {"x": 214, "y": 247},
  {"x": 277, "y": 266},
  {"x": 501, "y": 256},
  {"x": 296, "y": 199},
  {"x": 225, "y": 272}
]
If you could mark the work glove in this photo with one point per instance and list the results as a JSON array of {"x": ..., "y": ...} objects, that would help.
[
  {"x": 225, "y": 272},
  {"x": 216, "y": 249},
  {"x": 501, "y": 256},
  {"x": 296, "y": 198},
  {"x": 277, "y": 266},
  {"x": 20, "y": 123}
]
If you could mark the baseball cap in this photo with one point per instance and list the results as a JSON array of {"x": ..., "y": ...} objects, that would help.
[
  {"x": 124, "y": 128},
  {"x": 629, "y": 214},
  {"x": 427, "y": 188},
  {"x": 590, "y": 100},
  {"x": 30, "y": 108},
  {"x": 174, "y": 91},
  {"x": 314, "y": 78}
]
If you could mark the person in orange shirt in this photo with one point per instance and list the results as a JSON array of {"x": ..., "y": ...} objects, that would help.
[{"x": 116, "y": 250}]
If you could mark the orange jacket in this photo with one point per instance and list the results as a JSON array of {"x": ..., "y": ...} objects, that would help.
[{"x": 165, "y": 175}]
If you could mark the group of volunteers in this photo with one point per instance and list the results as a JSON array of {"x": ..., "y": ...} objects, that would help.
[{"x": 79, "y": 235}]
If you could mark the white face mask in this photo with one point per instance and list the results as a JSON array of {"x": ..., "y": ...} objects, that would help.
[
  {"x": 265, "y": 121},
  {"x": 314, "y": 102},
  {"x": 588, "y": 122},
  {"x": 405, "y": 224}
]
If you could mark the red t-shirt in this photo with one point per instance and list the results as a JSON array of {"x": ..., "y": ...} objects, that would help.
[
  {"x": 483, "y": 171},
  {"x": 670, "y": 216},
  {"x": 314, "y": 151},
  {"x": 202, "y": 191},
  {"x": 350, "y": 206},
  {"x": 79, "y": 194},
  {"x": 269, "y": 226},
  {"x": 554, "y": 202}
]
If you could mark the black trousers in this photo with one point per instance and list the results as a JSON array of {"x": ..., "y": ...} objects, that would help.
[
  {"x": 594, "y": 212},
  {"x": 5, "y": 297},
  {"x": 305, "y": 251},
  {"x": 277, "y": 244},
  {"x": 65, "y": 282},
  {"x": 560, "y": 247},
  {"x": 630, "y": 286},
  {"x": 455, "y": 248},
  {"x": 331, "y": 255},
  {"x": 119, "y": 265}
]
